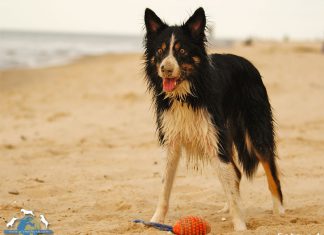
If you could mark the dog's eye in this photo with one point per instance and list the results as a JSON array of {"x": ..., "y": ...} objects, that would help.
[
  {"x": 182, "y": 51},
  {"x": 160, "y": 51}
]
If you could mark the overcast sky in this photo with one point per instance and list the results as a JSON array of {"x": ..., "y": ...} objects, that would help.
[{"x": 298, "y": 19}]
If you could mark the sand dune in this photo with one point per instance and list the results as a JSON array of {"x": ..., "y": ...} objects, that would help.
[{"x": 78, "y": 143}]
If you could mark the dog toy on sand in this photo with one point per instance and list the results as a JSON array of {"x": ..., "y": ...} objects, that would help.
[{"x": 189, "y": 225}]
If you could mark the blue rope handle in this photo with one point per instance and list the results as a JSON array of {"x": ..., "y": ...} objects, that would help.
[{"x": 162, "y": 227}]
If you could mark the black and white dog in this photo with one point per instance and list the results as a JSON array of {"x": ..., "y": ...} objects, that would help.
[{"x": 208, "y": 106}]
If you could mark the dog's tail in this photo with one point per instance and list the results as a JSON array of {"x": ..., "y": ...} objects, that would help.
[
  {"x": 246, "y": 155},
  {"x": 255, "y": 143}
]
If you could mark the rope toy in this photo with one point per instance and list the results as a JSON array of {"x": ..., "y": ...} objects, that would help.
[{"x": 189, "y": 225}]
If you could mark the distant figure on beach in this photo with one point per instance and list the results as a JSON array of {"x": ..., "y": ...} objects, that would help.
[{"x": 248, "y": 42}]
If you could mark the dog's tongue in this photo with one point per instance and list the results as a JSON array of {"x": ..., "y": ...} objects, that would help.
[{"x": 169, "y": 84}]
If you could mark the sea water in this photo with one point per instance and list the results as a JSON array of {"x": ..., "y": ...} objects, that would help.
[{"x": 39, "y": 49}]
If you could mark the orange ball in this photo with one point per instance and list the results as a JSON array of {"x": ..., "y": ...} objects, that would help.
[{"x": 191, "y": 225}]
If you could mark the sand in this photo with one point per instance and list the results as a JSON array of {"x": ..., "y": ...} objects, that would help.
[{"x": 78, "y": 144}]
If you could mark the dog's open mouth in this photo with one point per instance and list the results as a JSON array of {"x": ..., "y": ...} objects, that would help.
[{"x": 169, "y": 84}]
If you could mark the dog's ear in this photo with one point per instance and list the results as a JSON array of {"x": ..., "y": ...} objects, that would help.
[
  {"x": 153, "y": 23},
  {"x": 196, "y": 24}
]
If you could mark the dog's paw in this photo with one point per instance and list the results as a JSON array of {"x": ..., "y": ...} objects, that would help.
[
  {"x": 225, "y": 209},
  {"x": 279, "y": 210},
  {"x": 157, "y": 218},
  {"x": 239, "y": 225}
]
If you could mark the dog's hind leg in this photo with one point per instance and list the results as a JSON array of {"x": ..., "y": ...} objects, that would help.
[
  {"x": 173, "y": 155},
  {"x": 234, "y": 162},
  {"x": 226, "y": 207},
  {"x": 229, "y": 176},
  {"x": 263, "y": 146},
  {"x": 270, "y": 168},
  {"x": 230, "y": 182}
]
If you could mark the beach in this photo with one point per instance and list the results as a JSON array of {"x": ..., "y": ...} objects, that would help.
[{"x": 78, "y": 144}]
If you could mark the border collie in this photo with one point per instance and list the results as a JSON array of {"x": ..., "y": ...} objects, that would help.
[{"x": 209, "y": 107}]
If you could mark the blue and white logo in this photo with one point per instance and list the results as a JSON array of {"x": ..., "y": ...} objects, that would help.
[{"x": 28, "y": 225}]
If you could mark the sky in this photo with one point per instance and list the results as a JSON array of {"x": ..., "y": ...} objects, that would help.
[{"x": 271, "y": 19}]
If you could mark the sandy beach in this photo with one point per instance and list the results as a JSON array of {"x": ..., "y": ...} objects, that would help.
[{"x": 78, "y": 144}]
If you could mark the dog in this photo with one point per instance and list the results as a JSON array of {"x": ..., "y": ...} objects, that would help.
[
  {"x": 43, "y": 220},
  {"x": 11, "y": 222},
  {"x": 209, "y": 107},
  {"x": 26, "y": 212}
]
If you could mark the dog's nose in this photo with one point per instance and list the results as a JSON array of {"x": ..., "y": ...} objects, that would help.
[{"x": 167, "y": 70}]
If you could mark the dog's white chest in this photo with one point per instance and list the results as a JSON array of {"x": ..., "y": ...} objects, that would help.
[{"x": 192, "y": 129}]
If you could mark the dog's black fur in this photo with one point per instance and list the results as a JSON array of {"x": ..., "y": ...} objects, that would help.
[{"x": 228, "y": 86}]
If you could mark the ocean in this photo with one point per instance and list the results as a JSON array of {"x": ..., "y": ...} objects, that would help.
[{"x": 40, "y": 49}]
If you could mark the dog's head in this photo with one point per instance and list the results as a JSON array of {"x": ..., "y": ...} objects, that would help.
[{"x": 174, "y": 54}]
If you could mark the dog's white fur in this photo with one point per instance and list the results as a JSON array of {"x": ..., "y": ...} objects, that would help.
[
  {"x": 193, "y": 131},
  {"x": 170, "y": 61}
]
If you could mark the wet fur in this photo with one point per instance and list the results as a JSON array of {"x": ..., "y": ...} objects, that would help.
[{"x": 226, "y": 107}]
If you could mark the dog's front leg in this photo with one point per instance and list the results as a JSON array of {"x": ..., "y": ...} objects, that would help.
[{"x": 173, "y": 155}]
